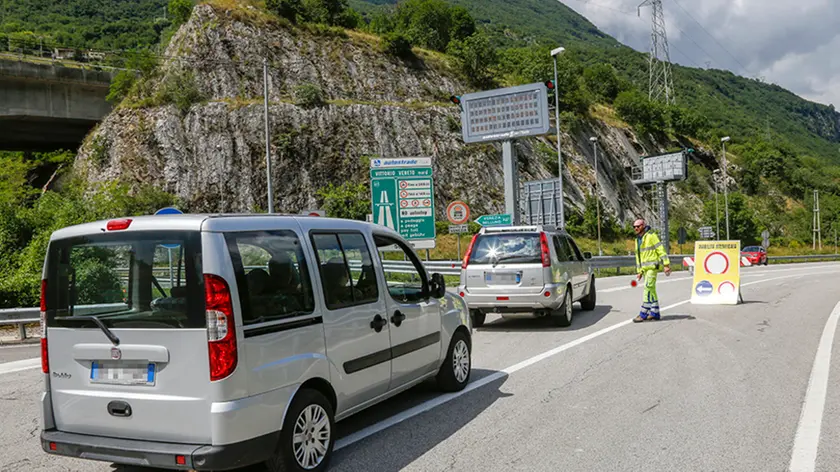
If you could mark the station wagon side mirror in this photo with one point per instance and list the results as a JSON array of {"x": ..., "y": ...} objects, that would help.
[
  {"x": 587, "y": 255},
  {"x": 437, "y": 286}
]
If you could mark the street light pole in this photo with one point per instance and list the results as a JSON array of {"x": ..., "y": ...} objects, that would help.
[
  {"x": 267, "y": 139},
  {"x": 554, "y": 55},
  {"x": 597, "y": 196},
  {"x": 717, "y": 205},
  {"x": 725, "y": 186}
]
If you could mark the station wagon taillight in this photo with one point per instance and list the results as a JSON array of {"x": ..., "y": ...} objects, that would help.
[
  {"x": 221, "y": 336},
  {"x": 469, "y": 252},
  {"x": 45, "y": 360},
  {"x": 545, "y": 251}
]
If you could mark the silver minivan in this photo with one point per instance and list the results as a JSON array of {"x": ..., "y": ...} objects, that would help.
[
  {"x": 535, "y": 271},
  {"x": 212, "y": 342}
]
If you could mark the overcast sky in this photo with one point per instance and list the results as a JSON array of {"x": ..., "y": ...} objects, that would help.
[{"x": 792, "y": 43}]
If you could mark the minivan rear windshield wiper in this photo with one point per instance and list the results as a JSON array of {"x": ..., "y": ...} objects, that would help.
[{"x": 111, "y": 336}]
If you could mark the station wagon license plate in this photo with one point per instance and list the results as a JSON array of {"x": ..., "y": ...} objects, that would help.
[
  {"x": 122, "y": 373},
  {"x": 503, "y": 278}
]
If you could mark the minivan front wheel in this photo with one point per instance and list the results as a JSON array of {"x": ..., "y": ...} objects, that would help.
[
  {"x": 307, "y": 438},
  {"x": 455, "y": 371},
  {"x": 478, "y": 318}
]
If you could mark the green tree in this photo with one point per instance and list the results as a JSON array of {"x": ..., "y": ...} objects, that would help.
[
  {"x": 289, "y": 9},
  {"x": 348, "y": 200},
  {"x": 426, "y": 23},
  {"x": 328, "y": 12},
  {"x": 475, "y": 57},
  {"x": 602, "y": 80},
  {"x": 742, "y": 223},
  {"x": 139, "y": 65},
  {"x": 180, "y": 10},
  {"x": 396, "y": 44},
  {"x": 463, "y": 24},
  {"x": 685, "y": 122},
  {"x": 645, "y": 115}
]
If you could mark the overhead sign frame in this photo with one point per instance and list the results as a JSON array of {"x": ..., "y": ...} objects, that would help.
[{"x": 505, "y": 114}]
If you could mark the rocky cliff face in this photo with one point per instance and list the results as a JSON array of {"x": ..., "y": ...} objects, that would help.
[{"x": 212, "y": 154}]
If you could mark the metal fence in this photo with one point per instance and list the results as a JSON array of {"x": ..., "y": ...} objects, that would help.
[{"x": 23, "y": 316}]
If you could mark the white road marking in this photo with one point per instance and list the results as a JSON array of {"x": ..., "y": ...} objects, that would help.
[
  {"x": 17, "y": 366},
  {"x": 806, "y": 444},
  {"x": 437, "y": 401}
]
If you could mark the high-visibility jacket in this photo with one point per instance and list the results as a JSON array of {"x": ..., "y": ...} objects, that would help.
[{"x": 650, "y": 253}]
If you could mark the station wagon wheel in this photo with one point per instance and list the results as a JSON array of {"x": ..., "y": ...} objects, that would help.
[
  {"x": 563, "y": 316},
  {"x": 455, "y": 371},
  {"x": 306, "y": 440}
]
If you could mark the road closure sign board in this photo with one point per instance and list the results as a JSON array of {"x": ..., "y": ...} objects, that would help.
[
  {"x": 403, "y": 198},
  {"x": 717, "y": 273},
  {"x": 458, "y": 213}
]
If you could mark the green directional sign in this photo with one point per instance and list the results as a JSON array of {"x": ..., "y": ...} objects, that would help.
[
  {"x": 495, "y": 220},
  {"x": 403, "y": 198}
]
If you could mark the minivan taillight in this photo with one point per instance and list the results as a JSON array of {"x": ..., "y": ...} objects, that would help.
[
  {"x": 469, "y": 252},
  {"x": 545, "y": 251},
  {"x": 45, "y": 360},
  {"x": 221, "y": 336}
]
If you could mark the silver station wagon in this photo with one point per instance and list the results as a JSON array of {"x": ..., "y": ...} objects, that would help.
[
  {"x": 212, "y": 342},
  {"x": 532, "y": 271}
]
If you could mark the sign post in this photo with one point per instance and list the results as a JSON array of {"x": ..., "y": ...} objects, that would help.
[
  {"x": 717, "y": 273},
  {"x": 403, "y": 198},
  {"x": 458, "y": 213}
]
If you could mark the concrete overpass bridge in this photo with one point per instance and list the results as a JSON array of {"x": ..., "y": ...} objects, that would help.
[{"x": 46, "y": 106}]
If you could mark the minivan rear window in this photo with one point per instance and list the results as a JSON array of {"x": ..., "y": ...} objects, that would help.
[
  {"x": 518, "y": 248},
  {"x": 135, "y": 279}
]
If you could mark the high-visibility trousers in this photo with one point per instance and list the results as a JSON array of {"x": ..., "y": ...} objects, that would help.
[{"x": 650, "y": 300}]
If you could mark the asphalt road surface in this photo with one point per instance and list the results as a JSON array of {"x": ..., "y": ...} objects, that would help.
[{"x": 751, "y": 387}]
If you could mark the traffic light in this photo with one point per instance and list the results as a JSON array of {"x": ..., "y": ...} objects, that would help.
[
  {"x": 456, "y": 99},
  {"x": 550, "y": 84}
]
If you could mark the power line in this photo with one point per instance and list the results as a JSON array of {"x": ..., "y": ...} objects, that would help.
[{"x": 744, "y": 68}]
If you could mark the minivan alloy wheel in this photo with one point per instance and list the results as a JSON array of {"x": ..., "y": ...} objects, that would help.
[
  {"x": 461, "y": 361},
  {"x": 311, "y": 437}
]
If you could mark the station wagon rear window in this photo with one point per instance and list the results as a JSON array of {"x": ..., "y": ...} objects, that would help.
[
  {"x": 150, "y": 280},
  {"x": 513, "y": 248}
]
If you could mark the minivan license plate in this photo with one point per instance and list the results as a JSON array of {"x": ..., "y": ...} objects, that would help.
[{"x": 122, "y": 373}]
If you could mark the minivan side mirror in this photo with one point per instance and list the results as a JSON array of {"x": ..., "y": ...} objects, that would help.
[
  {"x": 587, "y": 255},
  {"x": 437, "y": 286}
]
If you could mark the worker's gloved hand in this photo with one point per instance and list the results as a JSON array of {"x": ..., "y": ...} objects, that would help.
[
  {"x": 639, "y": 277},
  {"x": 667, "y": 271}
]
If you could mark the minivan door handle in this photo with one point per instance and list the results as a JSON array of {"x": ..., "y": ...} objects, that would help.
[
  {"x": 398, "y": 318},
  {"x": 378, "y": 323}
]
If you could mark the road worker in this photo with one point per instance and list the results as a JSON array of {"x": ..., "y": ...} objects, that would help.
[{"x": 651, "y": 255}]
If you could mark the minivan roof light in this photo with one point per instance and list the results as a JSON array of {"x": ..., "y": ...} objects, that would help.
[{"x": 118, "y": 225}]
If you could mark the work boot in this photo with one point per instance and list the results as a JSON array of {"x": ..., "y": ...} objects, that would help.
[{"x": 638, "y": 319}]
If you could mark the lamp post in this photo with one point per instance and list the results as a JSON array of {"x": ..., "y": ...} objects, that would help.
[
  {"x": 597, "y": 196},
  {"x": 723, "y": 142},
  {"x": 554, "y": 55},
  {"x": 717, "y": 206}
]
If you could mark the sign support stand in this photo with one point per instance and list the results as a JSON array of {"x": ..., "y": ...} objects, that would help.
[
  {"x": 664, "y": 235},
  {"x": 511, "y": 181}
]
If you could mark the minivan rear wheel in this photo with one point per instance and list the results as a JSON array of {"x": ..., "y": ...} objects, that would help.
[
  {"x": 455, "y": 371},
  {"x": 307, "y": 438}
]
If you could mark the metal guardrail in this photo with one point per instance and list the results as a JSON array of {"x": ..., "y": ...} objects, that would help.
[{"x": 24, "y": 316}]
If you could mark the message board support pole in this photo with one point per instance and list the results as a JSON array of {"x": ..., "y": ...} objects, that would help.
[
  {"x": 511, "y": 181},
  {"x": 663, "y": 216}
]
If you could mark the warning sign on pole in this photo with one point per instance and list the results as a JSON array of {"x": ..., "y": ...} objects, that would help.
[{"x": 717, "y": 273}]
